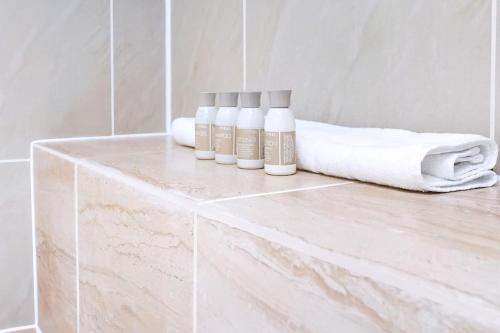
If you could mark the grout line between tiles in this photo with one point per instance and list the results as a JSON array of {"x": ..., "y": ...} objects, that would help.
[
  {"x": 101, "y": 137},
  {"x": 493, "y": 68},
  {"x": 195, "y": 272},
  {"x": 112, "y": 63},
  {"x": 38, "y": 329},
  {"x": 85, "y": 138},
  {"x": 168, "y": 65},
  {"x": 15, "y": 160},
  {"x": 247, "y": 196},
  {"x": 17, "y": 328},
  {"x": 244, "y": 32},
  {"x": 33, "y": 236},
  {"x": 77, "y": 247}
]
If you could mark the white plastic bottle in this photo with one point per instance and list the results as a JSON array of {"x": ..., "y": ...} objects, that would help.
[
  {"x": 225, "y": 128},
  {"x": 279, "y": 142},
  {"x": 205, "y": 127},
  {"x": 250, "y": 132}
]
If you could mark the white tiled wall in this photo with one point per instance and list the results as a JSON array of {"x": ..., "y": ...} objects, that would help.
[
  {"x": 56, "y": 80},
  {"x": 421, "y": 65},
  {"x": 418, "y": 65},
  {"x": 207, "y": 50},
  {"x": 16, "y": 277}
]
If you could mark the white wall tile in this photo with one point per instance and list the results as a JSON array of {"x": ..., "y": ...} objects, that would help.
[
  {"x": 54, "y": 71},
  {"x": 418, "y": 65},
  {"x": 16, "y": 264},
  {"x": 139, "y": 52},
  {"x": 207, "y": 51}
]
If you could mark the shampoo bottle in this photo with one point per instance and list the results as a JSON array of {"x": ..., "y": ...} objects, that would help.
[
  {"x": 205, "y": 127},
  {"x": 250, "y": 132},
  {"x": 279, "y": 136},
  {"x": 225, "y": 128}
]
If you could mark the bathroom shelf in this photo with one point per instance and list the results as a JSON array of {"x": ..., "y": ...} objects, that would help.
[{"x": 131, "y": 232}]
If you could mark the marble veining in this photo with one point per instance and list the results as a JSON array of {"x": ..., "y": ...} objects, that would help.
[
  {"x": 249, "y": 284},
  {"x": 450, "y": 238},
  {"x": 55, "y": 242},
  {"x": 135, "y": 259}
]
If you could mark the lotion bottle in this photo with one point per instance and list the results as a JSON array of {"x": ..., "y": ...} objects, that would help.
[
  {"x": 205, "y": 127},
  {"x": 279, "y": 133},
  {"x": 250, "y": 132},
  {"x": 225, "y": 128}
]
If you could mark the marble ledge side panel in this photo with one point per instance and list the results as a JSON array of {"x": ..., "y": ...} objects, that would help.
[
  {"x": 135, "y": 259},
  {"x": 452, "y": 239},
  {"x": 249, "y": 284},
  {"x": 55, "y": 241}
]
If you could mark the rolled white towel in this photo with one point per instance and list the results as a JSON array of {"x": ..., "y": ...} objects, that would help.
[
  {"x": 414, "y": 161},
  {"x": 183, "y": 131}
]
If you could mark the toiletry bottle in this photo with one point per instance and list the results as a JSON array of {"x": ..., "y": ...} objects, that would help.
[
  {"x": 279, "y": 136},
  {"x": 205, "y": 127},
  {"x": 250, "y": 132},
  {"x": 225, "y": 128}
]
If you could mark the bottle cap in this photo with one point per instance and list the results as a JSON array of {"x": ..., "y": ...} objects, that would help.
[
  {"x": 250, "y": 99},
  {"x": 207, "y": 99},
  {"x": 227, "y": 99},
  {"x": 279, "y": 98}
]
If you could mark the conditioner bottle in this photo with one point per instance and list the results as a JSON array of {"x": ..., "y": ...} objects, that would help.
[
  {"x": 205, "y": 127},
  {"x": 250, "y": 132},
  {"x": 225, "y": 128},
  {"x": 279, "y": 133}
]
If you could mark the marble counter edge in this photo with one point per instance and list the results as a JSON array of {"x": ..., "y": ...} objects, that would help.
[
  {"x": 117, "y": 175},
  {"x": 168, "y": 194}
]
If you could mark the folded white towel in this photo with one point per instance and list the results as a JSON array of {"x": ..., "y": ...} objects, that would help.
[{"x": 414, "y": 161}]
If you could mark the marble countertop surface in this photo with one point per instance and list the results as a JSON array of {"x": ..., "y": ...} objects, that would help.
[{"x": 158, "y": 161}]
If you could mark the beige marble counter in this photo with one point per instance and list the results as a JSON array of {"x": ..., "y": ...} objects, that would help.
[{"x": 132, "y": 232}]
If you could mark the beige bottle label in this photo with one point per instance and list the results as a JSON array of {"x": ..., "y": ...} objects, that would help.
[
  {"x": 279, "y": 148},
  {"x": 212, "y": 131},
  {"x": 225, "y": 140},
  {"x": 203, "y": 139},
  {"x": 250, "y": 144}
]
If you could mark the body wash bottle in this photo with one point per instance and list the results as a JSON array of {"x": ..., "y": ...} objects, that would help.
[
  {"x": 225, "y": 128},
  {"x": 205, "y": 127},
  {"x": 250, "y": 132},
  {"x": 279, "y": 146}
]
